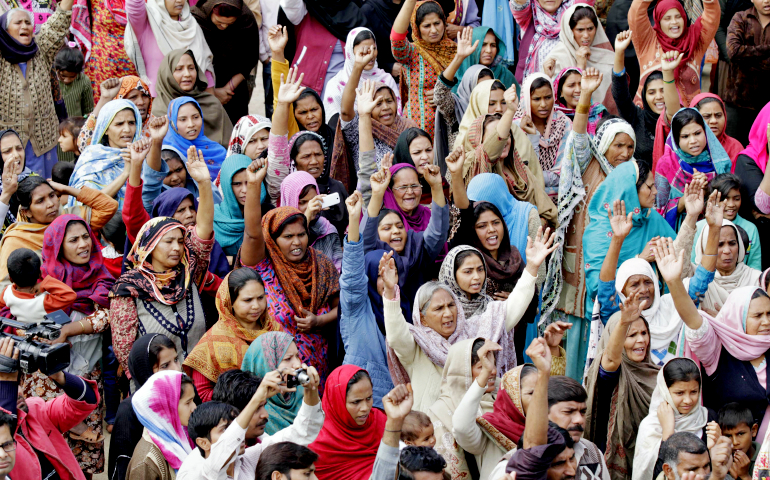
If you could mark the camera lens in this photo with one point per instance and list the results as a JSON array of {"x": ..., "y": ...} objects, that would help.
[{"x": 303, "y": 377}]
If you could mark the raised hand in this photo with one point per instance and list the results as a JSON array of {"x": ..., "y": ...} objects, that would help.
[
  {"x": 631, "y": 309},
  {"x": 398, "y": 402},
  {"x": 291, "y": 88},
  {"x": 314, "y": 207},
  {"x": 158, "y": 128},
  {"x": 196, "y": 165},
  {"x": 256, "y": 171},
  {"x": 715, "y": 209},
  {"x": 592, "y": 80},
  {"x": 380, "y": 181},
  {"x": 549, "y": 67},
  {"x": 277, "y": 37},
  {"x": 388, "y": 271},
  {"x": 620, "y": 222},
  {"x": 539, "y": 248},
  {"x": 365, "y": 56},
  {"x": 721, "y": 458},
  {"x": 666, "y": 418},
  {"x": 670, "y": 264},
  {"x": 354, "y": 203},
  {"x": 540, "y": 354},
  {"x": 583, "y": 55},
  {"x": 365, "y": 97},
  {"x": 511, "y": 99},
  {"x": 455, "y": 161},
  {"x": 11, "y": 171},
  {"x": 139, "y": 150},
  {"x": 387, "y": 161},
  {"x": 527, "y": 125},
  {"x": 433, "y": 176},
  {"x": 648, "y": 252},
  {"x": 555, "y": 332},
  {"x": 315, "y": 378},
  {"x": 623, "y": 40},
  {"x": 713, "y": 432},
  {"x": 486, "y": 355},
  {"x": 271, "y": 385},
  {"x": 740, "y": 466},
  {"x": 669, "y": 61},
  {"x": 465, "y": 44},
  {"x": 693, "y": 197},
  {"x": 109, "y": 88}
]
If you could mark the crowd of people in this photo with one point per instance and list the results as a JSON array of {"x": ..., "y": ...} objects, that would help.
[{"x": 467, "y": 240}]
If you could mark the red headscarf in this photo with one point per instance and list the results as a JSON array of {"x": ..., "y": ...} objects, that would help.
[
  {"x": 687, "y": 43},
  {"x": 757, "y": 148},
  {"x": 506, "y": 422},
  {"x": 732, "y": 146},
  {"x": 346, "y": 450}
]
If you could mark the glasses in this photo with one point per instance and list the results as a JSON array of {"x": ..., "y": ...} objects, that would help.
[
  {"x": 405, "y": 188},
  {"x": 9, "y": 446}
]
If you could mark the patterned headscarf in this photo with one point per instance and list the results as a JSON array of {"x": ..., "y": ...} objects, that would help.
[
  {"x": 132, "y": 82},
  {"x": 291, "y": 189},
  {"x": 505, "y": 423},
  {"x": 439, "y": 55},
  {"x": 246, "y": 128},
  {"x": 446, "y": 275}
]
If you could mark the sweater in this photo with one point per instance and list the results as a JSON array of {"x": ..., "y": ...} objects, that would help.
[
  {"x": 78, "y": 96},
  {"x": 30, "y": 308}
]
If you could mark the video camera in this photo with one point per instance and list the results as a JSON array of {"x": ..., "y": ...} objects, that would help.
[{"x": 33, "y": 354}]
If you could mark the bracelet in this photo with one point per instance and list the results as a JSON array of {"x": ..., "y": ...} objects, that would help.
[
  {"x": 583, "y": 109},
  {"x": 393, "y": 431},
  {"x": 669, "y": 82},
  {"x": 82, "y": 325}
]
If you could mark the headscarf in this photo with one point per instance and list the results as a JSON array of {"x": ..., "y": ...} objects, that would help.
[
  {"x": 335, "y": 86},
  {"x": 438, "y": 55},
  {"x": 533, "y": 463},
  {"x": 650, "y": 435},
  {"x": 308, "y": 284},
  {"x": 12, "y": 51},
  {"x": 337, "y": 16},
  {"x": 606, "y": 134},
  {"x": 216, "y": 124},
  {"x": 732, "y": 146},
  {"x": 596, "y": 112},
  {"x": 263, "y": 356},
  {"x": 139, "y": 358},
  {"x": 629, "y": 405},
  {"x": 546, "y": 27},
  {"x": 478, "y": 106},
  {"x": 650, "y": 117},
  {"x": 244, "y": 130},
  {"x": 213, "y": 153},
  {"x": 223, "y": 347},
  {"x": 100, "y": 164},
  {"x": 156, "y": 405},
  {"x": 418, "y": 219},
  {"x": 505, "y": 423},
  {"x": 346, "y": 450},
  {"x": 757, "y": 147},
  {"x": 291, "y": 188},
  {"x": 478, "y": 303},
  {"x": 465, "y": 87},
  {"x": 129, "y": 83},
  {"x": 490, "y": 187},
  {"x": 687, "y": 43},
  {"x": 498, "y": 67},
  {"x": 325, "y": 136},
  {"x": 91, "y": 281},
  {"x": 372, "y": 261},
  {"x": 228, "y": 216}
]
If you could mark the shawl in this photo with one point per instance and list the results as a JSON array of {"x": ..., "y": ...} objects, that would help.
[
  {"x": 677, "y": 167},
  {"x": 456, "y": 379},
  {"x": 335, "y": 86},
  {"x": 490, "y": 187},
  {"x": 478, "y": 303},
  {"x": 213, "y": 153},
  {"x": 732, "y": 146},
  {"x": 216, "y": 123},
  {"x": 228, "y": 216},
  {"x": 620, "y": 184},
  {"x": 372, "y": 261},
  {"x": 495, "y": 14},
  {"x": 264, "y": 356},
  {"x": 602, "y": 55},
  {"x": 417, "y": 220},
  {"x": 29, "y": 232},
  {"x": 244, "y": 129},
  {"x": 100, "y": 164},
  {"x": 308, "y": 284},
  {"x": 346, "y": 450},
  {"x": 438, "y": 55},
  {"x": 462, "y": 92},
  {"x": 291, "y": 188},
  {"x": 12, "y": 51},
  {"x": 757, "y": 147},
  {"x": 687, "y": 42},
  {"x": 596, "y": 112},
  {"x": 140, "y": 280},
  {"x": 498, "y": 67},
  {"x": 722, "y": 286},
  {"x": 91, "y": 281},
  {"x": 156, "y": 405},
  {"x": 546, "y": 27},
  {"x": 223, "y": 347},
  {"x": 170, "y": 35},
  {"x": 139, "y": 358},
  {"x": 533, "y": 463},
  {"x": 650, "y": 434},
  {"x": 556, "y": 127},
  {"x": 505, "y": 423},
  {"x": 630, "y": 404}
]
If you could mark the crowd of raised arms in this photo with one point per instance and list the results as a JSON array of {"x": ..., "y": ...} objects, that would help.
[{"x": 467, "y": 240}]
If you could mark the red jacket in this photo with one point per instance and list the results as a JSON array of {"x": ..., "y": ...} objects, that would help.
[{"x": 44, "y": 426}]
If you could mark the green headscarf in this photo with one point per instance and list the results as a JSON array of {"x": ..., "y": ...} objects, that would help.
[
  {"x": 228, "y": 217},
  {"x": 498, "y": 67}
]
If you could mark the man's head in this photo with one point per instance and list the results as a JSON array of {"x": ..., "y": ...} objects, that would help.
[
  {"x": 554, "y": 460},
  {"x": 421, "y": 463},
  {"x": 567, "y": 405},
  {"x": 684, "y": 452},
  {"x": 737, "y": 424},
  {"x": 7, "y": 443},
  {"x": 286, "y": 461},
  {"x": 208, "y": 422},
  {"x": 236, "y": 387}
]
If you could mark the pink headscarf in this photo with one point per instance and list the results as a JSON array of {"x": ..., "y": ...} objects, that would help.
[
  {"x": 291, "y": 189},
  {"x": 417, "y": 220},
  {"x": 732, "y": 146},
  {"x": 757, "y": 148}
]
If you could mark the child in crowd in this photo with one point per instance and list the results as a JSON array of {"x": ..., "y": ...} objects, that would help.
[
  {"x": 75, "y": 87},
  {"x": 113, "y": 240},
  {"x": 737, "y": 423},
  {"x": 61, "y": 173},
  {"x": 29, "y": 297},
  {"x": 417, "y": 430},
  {"x": 69, "y": 129}
]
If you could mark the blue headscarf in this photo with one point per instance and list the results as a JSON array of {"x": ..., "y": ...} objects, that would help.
[
  {"x": 491, "y": 187},
  {"x": 213, "y": 153},
  {"x": 372, "y": 261},
  {"x": 99, "y": 164},
  {"x": 498, "y": 66},
  {"x": 228, "y": 217},
  {"x": 497, "y": 15}
]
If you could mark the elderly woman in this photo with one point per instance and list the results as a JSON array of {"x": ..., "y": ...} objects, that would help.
[
  {"x": 27, "y": 104},
  {"x": 13, "y": 170}
]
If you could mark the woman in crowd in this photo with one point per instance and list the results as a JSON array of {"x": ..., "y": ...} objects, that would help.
[
  {"x": 228, "y": 215},
  {"x": 226, "y": 24},
  {"x": 243, "y": 317},
  {"x": 250, "y": 136},
  {"x": 167, "y": 266},
  {"x": 672, "y": 33},
  {"x": 424, "y": 59},
  {"x": 675, "y": 407},
  {"x": 490, "y": 51},
  {"x": 415, "y": 147},
  {"x": 156, "y": 29},
  {"x": 13, "y": 169},
  {"x": 568, "y": 90},
  {"x": 179, "y": 75},
  {"x": 381, "y": 15}
]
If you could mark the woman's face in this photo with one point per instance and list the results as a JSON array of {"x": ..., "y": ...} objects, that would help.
[
  {"x": 647, "y": 192},
  {"x": 476, "y": 370},
  {"x": 186, "y": 213},
  {"x": 167, "y": 360},
  {"x": 385, "y": 111},
  {"x": 293, "y": 242},
  {"x": 432, "y": 28},
  {"x": 637, "y": 341},
  {"x": 686, "y": 395},
  {"x": 758, "y": 317},
  {"x": 491, "y": 129},
  {"x": 570, "y": 90},
  {"x": 732, "y": 204},
  {"x": 11, "y": 149},
  {"x": 141, "y": 100},
  {"x": 359, "y": 401},
  {"x": 488, "y": 49},
  {"x": 44, "y": 206},
  {"x": 310, "y": 158},
  {"x": 527, "y": 387},
  {"x": 222, "y": 22},
  {"x": 177, "y": 173},
  {"x": 240, "y": 186},
  {"x": 692, "y": 139},
  {"x": 391, "y": 231},
  {"x": 189, "y": 121},
  {"x": 187, "y": 401},
  {"x": 121, "y": 131},
  {"x": 168, "y": 253},
  {"x": 490, "y": 230},
  {"x": 67, "y": 141},
  {"x": 311, "y": 194},
  {"x": 360, "y": 48},
  {"x": 727, "y": 255},
  {"x": 714, "y": 117},
  {"x": 407, "y": 190},
  {"x": 421, "y": 151},
  {"x": 621, "y": 149},
  {"x": 174, "y": 8},
  {"x": 20, "y": 27},
  {"x": 257, "y": 144},
  {"x": 185, "y": 72},
  {"x": 550, "y": 6},
  {"x": 250, "y": 304},
  {"x": 654, "y": 96},
  {"x": 497, "y": 103},
  {"x": 672, "y": 24},
  {"x": 290, "y": 360},
  {"x": 77, "y": 244},
  {"x": 542, "y": 102},
  {"x": 441, "y": 314},
  {"x": 309, "y": 114},
  {"x": 641, "y": 285},
  {"x": 584, "y": 32},
  {"x": 470, "y": 275}
]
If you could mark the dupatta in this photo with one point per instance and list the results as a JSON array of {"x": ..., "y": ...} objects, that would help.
[
  {"x": 228, "y": 217},
  {"x": 757, "y": 147},
  {"x": 505, "y": 423},
  {"x": 498, "y": 66},
  {"x": 417, "y": 220},
  {"x": 438, "y": 55},
  {"x": 291, "y": 189},
  {"x": 596, "y": 112}
]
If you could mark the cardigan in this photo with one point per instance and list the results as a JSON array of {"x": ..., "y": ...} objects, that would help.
[{"x": 78, "y": 96}]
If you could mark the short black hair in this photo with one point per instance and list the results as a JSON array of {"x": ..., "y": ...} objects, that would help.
[
  {"x": 683, "y": 118},
  {"x": 283, "y": 457},
  {"x": 419, "y": 459},
  {"x": 540, "y": 82},
  {"x": 158, "y": 343},
  {"x": 206, "y": 418},
  {"x": 115, "y": 231},
  {"x": 23, "y": 267},
  {"x": 733, "y": 414},
  {"x": 236, "y": 387},
  {"x": 10, "y": 420},
  {"x": 73, "y": 125},
  {"x": 239, "y": 278},
  {"x": 426, "y": 9},
  {"x": 26, "y": 187},
  {"x": 724, "y": 182},
  {"x": 62, "y": 171},
  {"x": 414, "y": 423},
  {"x": 69, "y": 60},
  {"x": 680, "y": 442},
  {"x": 565, "y": 389},
  {"x": 644, "y": 172},
  {"x": 477, "y": 344},
  {"x": 226, "y": 10}
]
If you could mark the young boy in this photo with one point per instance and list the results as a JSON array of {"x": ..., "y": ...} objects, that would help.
[
  {"x": 737, "y": 423},
  {"x": 417, "y": 430}
]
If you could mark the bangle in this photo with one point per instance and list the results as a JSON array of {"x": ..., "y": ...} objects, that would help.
[
  {"x": 709, "y": 254},
  {"x": 670, "y": 82},
  {"x": 82, "y": 325},
  {"x": 583, "y": 109},
  {"x": 393, "y": 431}
]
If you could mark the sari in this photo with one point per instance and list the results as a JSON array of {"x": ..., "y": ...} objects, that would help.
[
  {"x": 596, "y": 112},
  {"x": 505, "y": 423},
  {"x": 228, "y": 215}
]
